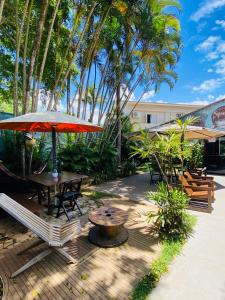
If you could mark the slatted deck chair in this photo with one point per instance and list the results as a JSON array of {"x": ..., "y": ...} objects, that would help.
[
  {"x": 55, "y": 235},
  {"x": 200, "y": 181},
  {"x": 195, "y": 176},
  {"x": 200, "y": 196},
  {"x": 199, "y": 171}
]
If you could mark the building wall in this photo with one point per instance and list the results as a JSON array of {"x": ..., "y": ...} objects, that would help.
[
  {"x": 160, "y": 113},
  {"x": 211, "y": 116}
]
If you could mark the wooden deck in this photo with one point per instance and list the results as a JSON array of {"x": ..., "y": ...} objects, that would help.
[{"x": 99, "y": 273}]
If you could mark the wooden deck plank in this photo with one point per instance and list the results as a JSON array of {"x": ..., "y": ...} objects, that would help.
[{"x": 101, "y": 274}]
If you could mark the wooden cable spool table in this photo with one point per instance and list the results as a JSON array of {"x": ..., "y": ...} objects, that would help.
[{"x": 108, "y": 230}]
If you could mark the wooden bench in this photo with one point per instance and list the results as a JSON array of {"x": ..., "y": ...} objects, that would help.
[
  {"x": 55, "y": 235},
  {"x": 201, "y": 197}
]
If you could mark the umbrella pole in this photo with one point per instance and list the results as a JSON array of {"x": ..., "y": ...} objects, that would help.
[{"x": 54, "y": 155}]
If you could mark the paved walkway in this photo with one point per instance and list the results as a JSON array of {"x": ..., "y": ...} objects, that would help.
[
  {"x": 134, "y": 187},
  {"x": 199, "y": 272}
]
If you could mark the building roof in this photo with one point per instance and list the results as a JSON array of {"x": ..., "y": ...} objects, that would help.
[{"x": 166, "y": 104}]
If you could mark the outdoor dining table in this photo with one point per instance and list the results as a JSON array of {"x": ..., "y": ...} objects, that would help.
[{"x": 47, "y": 181}]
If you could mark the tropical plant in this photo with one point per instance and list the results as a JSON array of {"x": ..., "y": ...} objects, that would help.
[
  {"x": 82, "y": 158},
  {"x": 171, "y": 219},
  {"x": 97, "y": 52},
  {"x": 196, "y": 158}
]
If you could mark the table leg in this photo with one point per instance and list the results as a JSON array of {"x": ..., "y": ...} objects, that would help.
[{"x": 49, "y": 201}]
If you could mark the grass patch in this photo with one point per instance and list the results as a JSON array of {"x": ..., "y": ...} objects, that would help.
[
  {"x": 95, "y": 195},
  {"x": 170, "y": 248}
]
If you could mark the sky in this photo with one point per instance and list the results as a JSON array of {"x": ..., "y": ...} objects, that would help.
[{"x": 201, "y": 69}]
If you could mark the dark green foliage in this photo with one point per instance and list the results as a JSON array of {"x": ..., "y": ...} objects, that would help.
[
  {"x": 171, "y": 218},
  {"x": 87, "y": 159},
  {"x": 10, "y": 155},
  {"x": 196, "y": 159}
]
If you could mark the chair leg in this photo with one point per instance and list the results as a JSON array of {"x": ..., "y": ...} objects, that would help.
[
  {"x": 32, "y": 245},
  {"x": 77, "y": 205},
  {"x": 65, "y": 211},
  {"x": 59, "y": 207},
  {"x": 33, "y": 261},
  {"x": 66, "y": 255}
]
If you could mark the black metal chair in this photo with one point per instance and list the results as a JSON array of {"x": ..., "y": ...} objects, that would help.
[
  {"x": 67, "y": 199},
  {"x": 155, "y": 174}
]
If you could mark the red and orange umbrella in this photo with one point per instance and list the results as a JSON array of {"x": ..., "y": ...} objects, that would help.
[{"x": 49, "y": 122}]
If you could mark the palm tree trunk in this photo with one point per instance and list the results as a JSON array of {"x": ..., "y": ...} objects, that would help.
[
  {"x": 35, "y": 52},
  {"x": 34, "y": 105},
  {"x": 2, "y": 2},
  {"x": 68, "y": 94},
  {"x": 118, "y": 124},
  {"x": 18, "y": 43},
  {"x": 70, "y": 64},
  {"x": 25, "y": 49}
]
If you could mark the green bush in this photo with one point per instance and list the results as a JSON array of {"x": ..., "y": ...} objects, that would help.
[
  {"x": 11, "y": 153},
  {"x": 196, "y": 158},
  {"x": 171, "y": 219},
  {"x": 82, "y": 158}
]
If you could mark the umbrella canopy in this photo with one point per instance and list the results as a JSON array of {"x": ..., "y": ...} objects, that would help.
[
  {"x": 192, "y": 132},
  {"x": 49, "y": 121},
  {"x": 45, "y": 121}
]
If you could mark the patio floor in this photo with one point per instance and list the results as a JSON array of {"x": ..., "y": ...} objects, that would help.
[{"x": 99, "y": 273}]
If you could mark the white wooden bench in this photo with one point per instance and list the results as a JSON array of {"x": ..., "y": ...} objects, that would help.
[{"x": 55, "y": 235}]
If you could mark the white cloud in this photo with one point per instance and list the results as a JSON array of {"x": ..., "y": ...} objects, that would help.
[
  {"x": 148, "y": 95},
  {"x": 208, "y": 44},
  {"x": 161, "y": 101},
  {"x": 220, "y": 23},
  {"x": 206, "y": 8},
  {"x": 220, "y": 66},
  {"x": 210, "y": 97},
  {"x": 208, "y": 85},
  {"x": 220, "y": 97},
  {"x": 216, "y": 47}
]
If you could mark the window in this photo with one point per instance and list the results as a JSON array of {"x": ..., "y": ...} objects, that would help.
[
  {"x": 148, "y": 118},
  {"x": 222, "y": 146}
]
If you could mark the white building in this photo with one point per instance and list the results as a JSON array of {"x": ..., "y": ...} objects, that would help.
[{"x": 149, "y": 114}]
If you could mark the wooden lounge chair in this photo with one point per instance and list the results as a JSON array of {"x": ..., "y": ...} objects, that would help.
[
  {"x": 195, "y": 176},
  {"x": 54, "y": 235},
  {"x": 200, "y": 196},
  {"x": 199, "y": 171},
  {"x": 204, "y": 181}
]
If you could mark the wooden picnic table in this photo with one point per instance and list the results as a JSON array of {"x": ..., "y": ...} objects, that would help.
[{"x": 47, "y": 181}]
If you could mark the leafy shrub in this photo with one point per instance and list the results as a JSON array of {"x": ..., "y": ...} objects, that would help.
[
  {"x": 10, "y": 154},
  {"x": 171, "y": 218},
  {"x": 196, "y": 158},
  {"x": 82, "y": 158}
]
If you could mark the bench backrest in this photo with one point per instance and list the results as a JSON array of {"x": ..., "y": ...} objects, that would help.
[
  {"x": 186, "y": 185},
  {"x": 55, "y": 235}
]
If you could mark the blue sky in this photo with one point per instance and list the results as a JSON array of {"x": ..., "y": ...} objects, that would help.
[{"x": 201, "y": 69}]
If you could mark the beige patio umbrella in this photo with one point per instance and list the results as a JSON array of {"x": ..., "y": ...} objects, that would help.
[
  {"x": 192, "y": 132},
  {"x": 49, "y": 122}
]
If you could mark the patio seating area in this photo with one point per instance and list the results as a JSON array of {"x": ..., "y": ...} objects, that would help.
[{"x": 99, "y": 273}]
